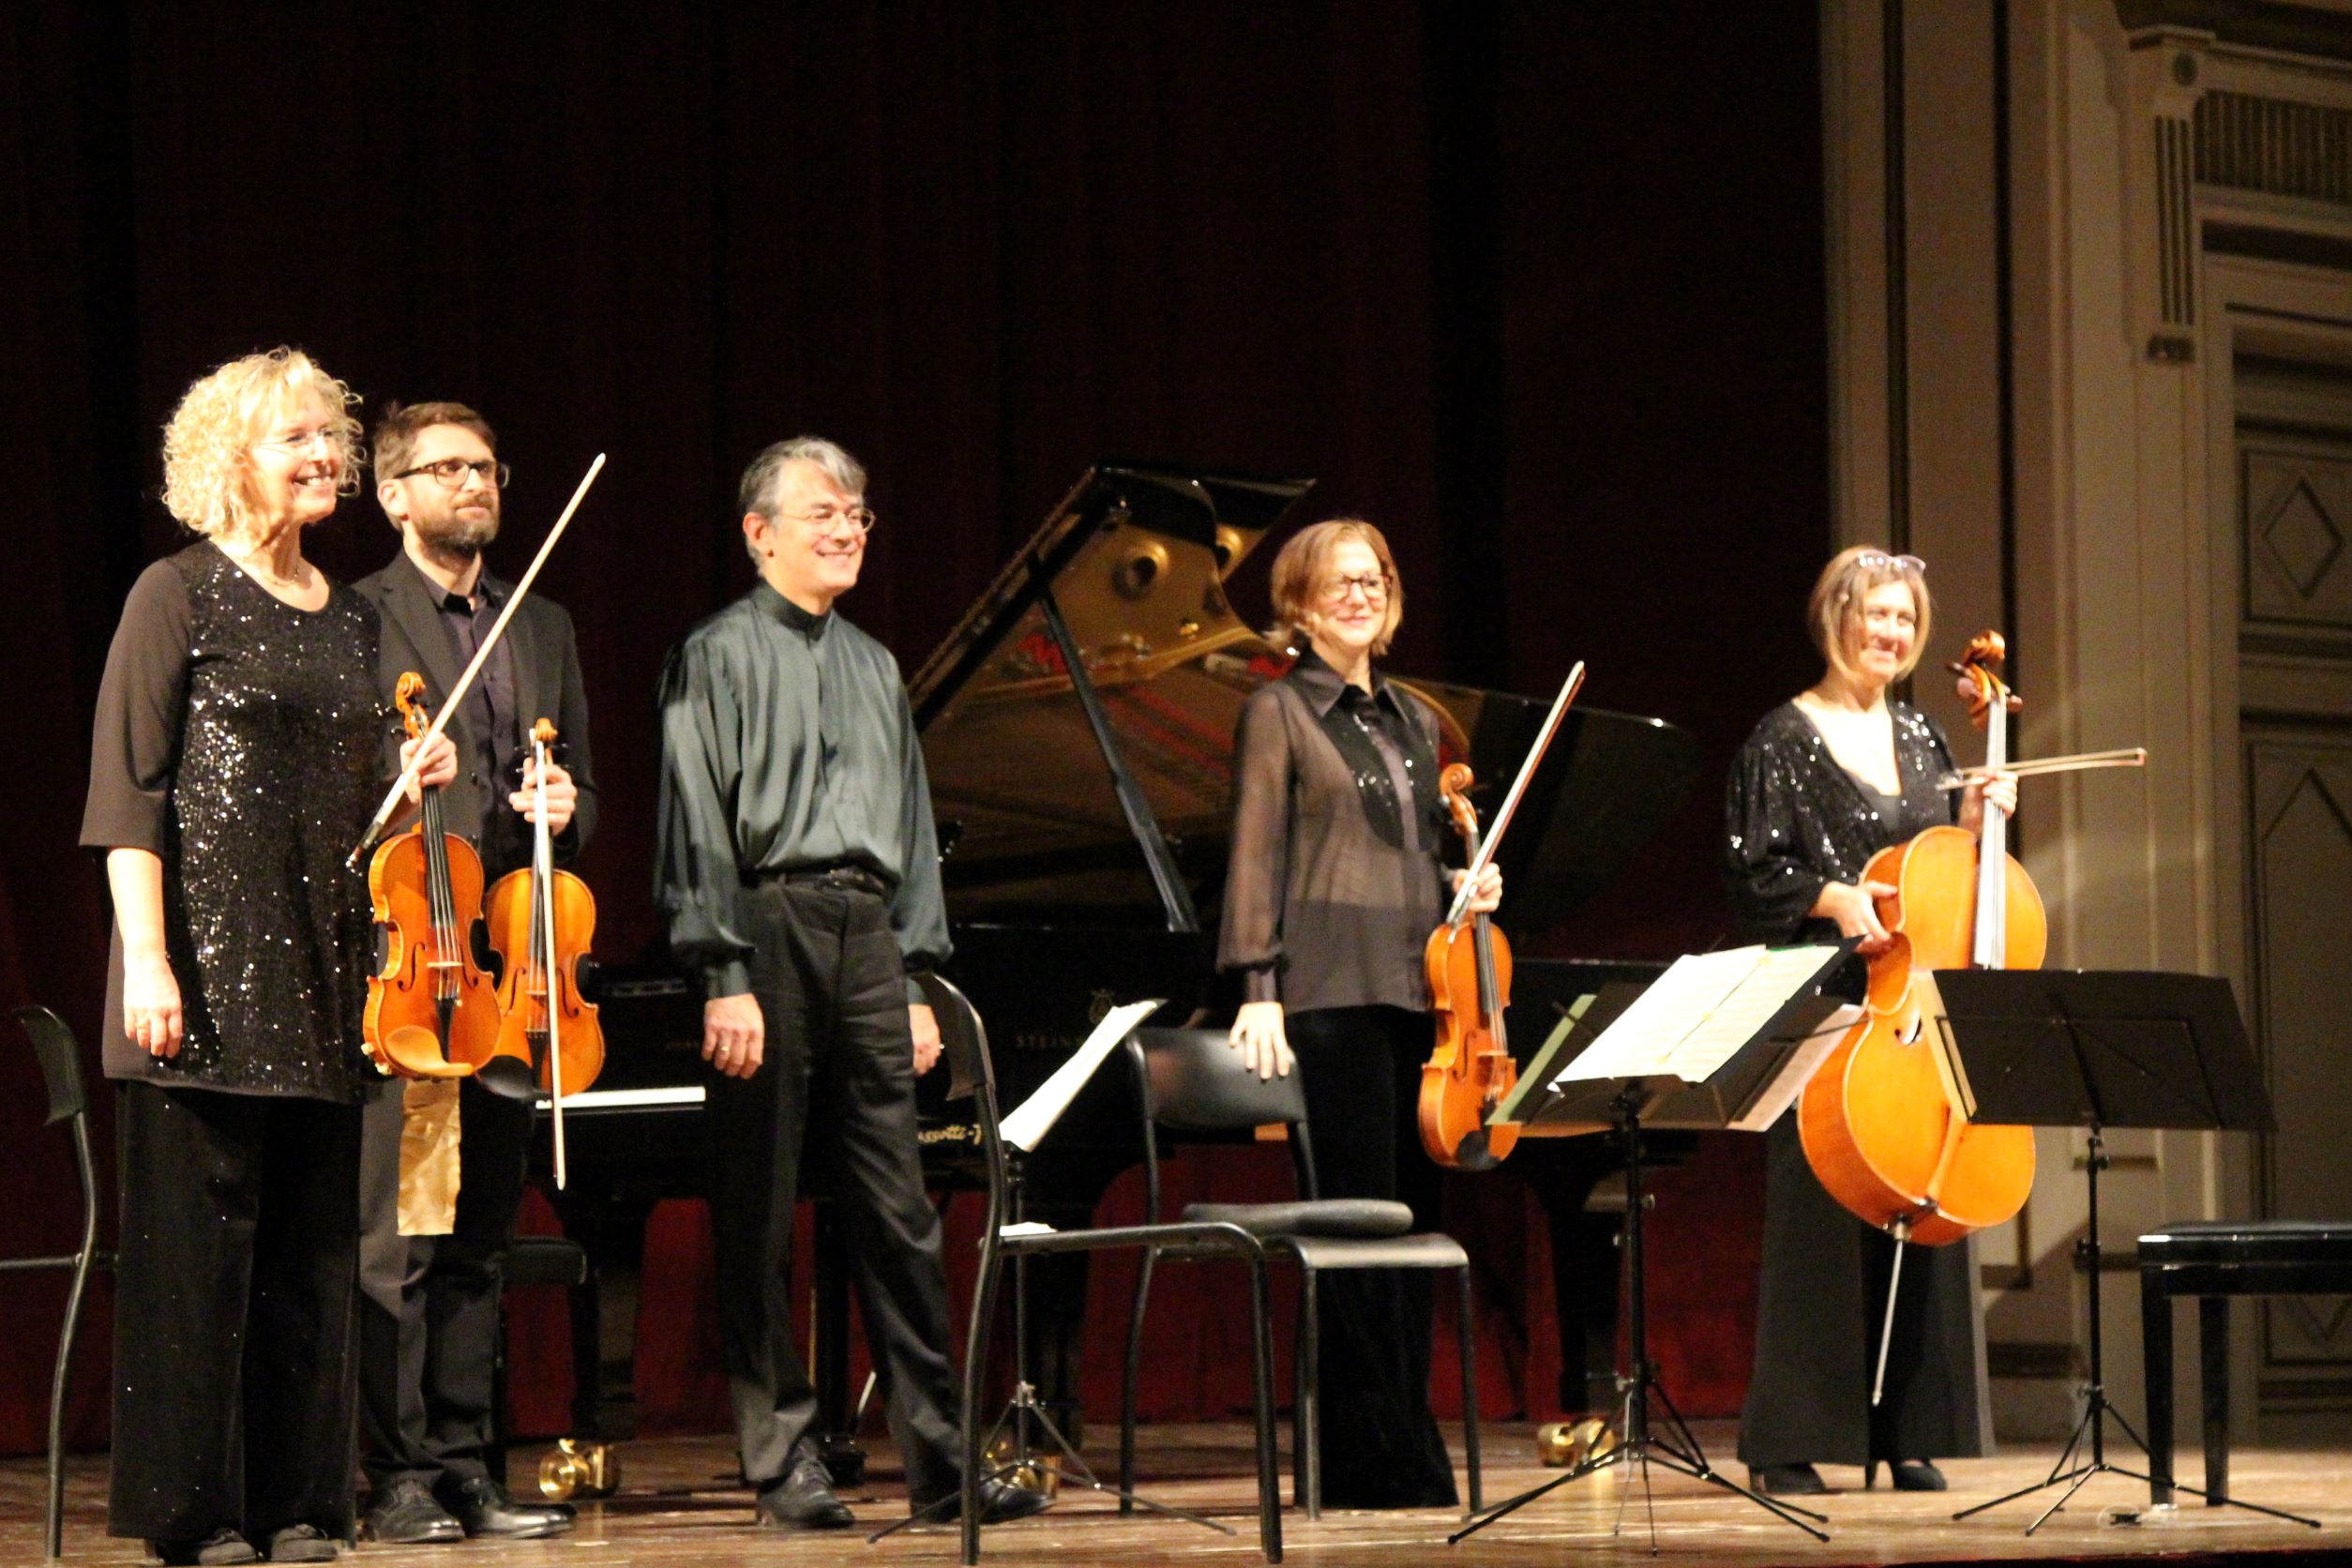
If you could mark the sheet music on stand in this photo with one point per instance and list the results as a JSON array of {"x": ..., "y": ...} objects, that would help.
[
  {"x": 1028, "y": 1123},
  {"x": 1721, "y": 1040}
]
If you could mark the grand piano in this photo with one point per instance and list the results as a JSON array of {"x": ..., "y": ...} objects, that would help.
[{"x": 1077, "y": 727}]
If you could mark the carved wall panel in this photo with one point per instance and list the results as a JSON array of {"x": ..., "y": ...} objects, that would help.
[
  {"x": 2297, "y": 532},
  {"x": 2299, "y": 800}
]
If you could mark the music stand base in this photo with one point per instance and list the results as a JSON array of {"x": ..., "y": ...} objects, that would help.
[{"x": 2074, "y": 1477}]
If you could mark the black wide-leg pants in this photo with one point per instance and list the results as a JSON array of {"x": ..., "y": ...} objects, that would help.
[
  {"x": 831, "y": 986},
  {"x": 429, "y": 1304},
  {"x": 232, "y": 1314},
  {"x": 1379, "y": 1444}
]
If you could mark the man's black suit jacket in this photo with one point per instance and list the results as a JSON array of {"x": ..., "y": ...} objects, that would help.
[{"x": 546, "y": 685}]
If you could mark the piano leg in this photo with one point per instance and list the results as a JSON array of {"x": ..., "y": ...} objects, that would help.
[{"x": 836, "y": 1415}]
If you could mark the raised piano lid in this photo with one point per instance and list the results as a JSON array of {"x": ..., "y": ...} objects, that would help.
[{"x": 1136, "y": 556}]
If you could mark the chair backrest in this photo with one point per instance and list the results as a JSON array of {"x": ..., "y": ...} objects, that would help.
[
  {"x": 60, "y": 1057},
  {"x": 963, "y": 1040},
  {"x": 1193, "y": 1080}
]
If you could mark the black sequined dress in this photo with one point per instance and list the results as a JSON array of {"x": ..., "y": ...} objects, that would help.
[
  {"x": 1795, "y": 819},
  {"x": 238, "y": 738}
]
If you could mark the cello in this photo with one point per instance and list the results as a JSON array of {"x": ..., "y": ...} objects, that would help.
[
  {"x": 1471, "y": 1068},
  {"x": 1881, "y": 1122},
  {"x": 431, "y": 1012},
  {"x": 541, "y": 921}
]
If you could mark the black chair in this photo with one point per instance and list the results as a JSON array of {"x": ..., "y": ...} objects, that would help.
[
  {"x": 964, "y": 1041},
  {"x": 60, "y": 1058},
  {"x": 1193, "y": 1080}
]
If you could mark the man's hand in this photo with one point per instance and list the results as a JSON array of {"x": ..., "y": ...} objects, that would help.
[
  {"x": 440, "y": 765},
  {"x": 1258, "y": 1034},
  {"x": 733, "y": 1035},
  {"x": 562, "y": 796},
  {"x": 924, "y": 1024}
]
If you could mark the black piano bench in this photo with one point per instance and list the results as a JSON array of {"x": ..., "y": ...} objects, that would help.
[
  {"x": 530, "y": 1261},
  {"x": 2214, "y": 1260}
]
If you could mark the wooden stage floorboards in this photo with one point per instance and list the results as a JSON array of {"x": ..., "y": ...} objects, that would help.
[{"x": 679, "y": 1506}]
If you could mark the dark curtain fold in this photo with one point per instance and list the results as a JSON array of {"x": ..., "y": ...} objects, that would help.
[{"x": 1536, "y": 285}]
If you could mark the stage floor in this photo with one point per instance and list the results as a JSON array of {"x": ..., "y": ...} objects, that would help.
[{"x": 679, "y": 1505}]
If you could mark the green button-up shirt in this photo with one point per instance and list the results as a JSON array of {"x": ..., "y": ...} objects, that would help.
[{"x": 788, "y": 744}]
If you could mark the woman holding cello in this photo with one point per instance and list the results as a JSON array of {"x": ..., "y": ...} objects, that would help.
[
  {"x": 1334, "y": 887},
  {"x": 235, "y": 760},
  {"x": 1828, "y": 779}
]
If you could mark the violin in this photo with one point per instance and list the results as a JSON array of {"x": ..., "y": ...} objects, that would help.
[
  {"x": 541, "y": 921},
  {"x": 1880, "y": 1121},
  {"x": 1471, "y": 1068},
  {"x": 431, "y": 1012}
]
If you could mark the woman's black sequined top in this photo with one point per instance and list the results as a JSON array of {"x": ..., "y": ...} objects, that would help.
[
  {"x": 239, "y": 738},
  {"x": 1794, "y": 819}
]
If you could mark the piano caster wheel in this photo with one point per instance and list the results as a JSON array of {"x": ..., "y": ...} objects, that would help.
[
  {"x": 1043, "y": 1473},
  {"x": 1566, "y": 1444},
  {"x": 845, "y": 1462},
  {"x": 579, "y": 1472}
]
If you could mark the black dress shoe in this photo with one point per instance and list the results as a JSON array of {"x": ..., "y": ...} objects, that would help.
[
  {"x": 804, "y": 1498},
  {"x": 1917, "y": 1475},
  {"x": 1787, "y": 1480},
  {"x": 483, "y": 1507},
  {"x": 301, "y": 1544},
  {"x": 1001, "y": 1503},
  {"x": 223, "y": 1545},
  {"x": 405, "y": 1514}
]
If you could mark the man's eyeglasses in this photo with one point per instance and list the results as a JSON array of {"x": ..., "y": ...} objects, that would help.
[
  {"x": 1373, "y": 585},
  {"x": 825, "y": 519},
  {"x": 451, "y": 473}
]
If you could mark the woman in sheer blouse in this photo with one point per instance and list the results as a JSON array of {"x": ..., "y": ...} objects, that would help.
[
  {"x": 1334, "y": 885},
  {"x": 1827, "y": 780}
]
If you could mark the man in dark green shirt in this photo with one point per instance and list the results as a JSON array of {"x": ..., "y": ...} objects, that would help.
[{"x": 798, "y": 868}]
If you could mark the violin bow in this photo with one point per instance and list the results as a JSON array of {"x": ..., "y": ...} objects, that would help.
[
  {"x": 481, "y": 655},
  {"x": 1485, "y": 855}
]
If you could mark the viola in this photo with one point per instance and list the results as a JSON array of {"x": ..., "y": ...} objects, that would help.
[
  {"x": 541, "y": 922},
  {"x": 1471, "y": 1068},
  {"x": 431, "y": 1011},
  {"x": 1881, "y": 1123}
]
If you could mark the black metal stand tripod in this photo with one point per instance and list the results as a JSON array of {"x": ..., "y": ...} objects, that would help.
[
  {"x": 1663, "y": 1438},
  {"x": 1024, "y": 1410},
  {"x": 2096, "y": 1407}
]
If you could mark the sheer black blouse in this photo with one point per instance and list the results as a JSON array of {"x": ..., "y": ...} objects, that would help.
[{"x": 1795, "y": 819}]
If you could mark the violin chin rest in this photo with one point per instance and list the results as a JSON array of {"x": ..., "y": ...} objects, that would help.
[
  {"x": 509, "y": 1077},
  {"x": 416, "y": 1052},
  {"x": 1472, "y": 1153}
]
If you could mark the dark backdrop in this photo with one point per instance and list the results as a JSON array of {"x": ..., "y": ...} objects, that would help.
[{"x": 1536, "y": 285}]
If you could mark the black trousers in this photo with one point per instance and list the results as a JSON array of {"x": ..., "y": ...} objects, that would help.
[
  {"x": 233, "y": 1312},
  {"x": 1381, "y": 1447},
  {"x": 831, "y": 990},
  {"x": 429, "y": 1304}
]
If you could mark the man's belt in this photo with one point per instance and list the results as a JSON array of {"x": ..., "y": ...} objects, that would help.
[{"x": 840, "y": 878}]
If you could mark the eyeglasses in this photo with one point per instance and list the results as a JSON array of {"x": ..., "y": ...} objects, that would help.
[
  {"x": 300, "y": 440},
  {"x": 825, "y": 519},
  {"x": 1874, "y": 559},
  {"x": 451, "y": 473},
  {"x": 1373, "y": 585}
]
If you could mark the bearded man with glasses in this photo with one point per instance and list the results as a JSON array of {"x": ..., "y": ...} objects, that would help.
[
  {"x": 429, "y": 1308},
  {"x": 798, "y": 865}
]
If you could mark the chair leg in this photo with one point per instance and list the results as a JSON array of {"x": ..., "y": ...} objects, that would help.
[
  {"x": 1470, "y": 1396},
  {"x": 1268, "y": 1469},
  {"x": 1133, "y": 1376},
  {"x": 976, "y": 1339},
  {"x": 55, "y": 1537},
  {"x": 1308, "y": 1425}
]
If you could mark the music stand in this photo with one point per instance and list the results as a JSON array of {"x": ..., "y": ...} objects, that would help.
[
  {"x": 1735, "y": 1091},
  {"x": 2098, "y": 1050}
]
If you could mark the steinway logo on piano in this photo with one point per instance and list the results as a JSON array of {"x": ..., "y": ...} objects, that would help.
[{"x": 950, "y": 1133}]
